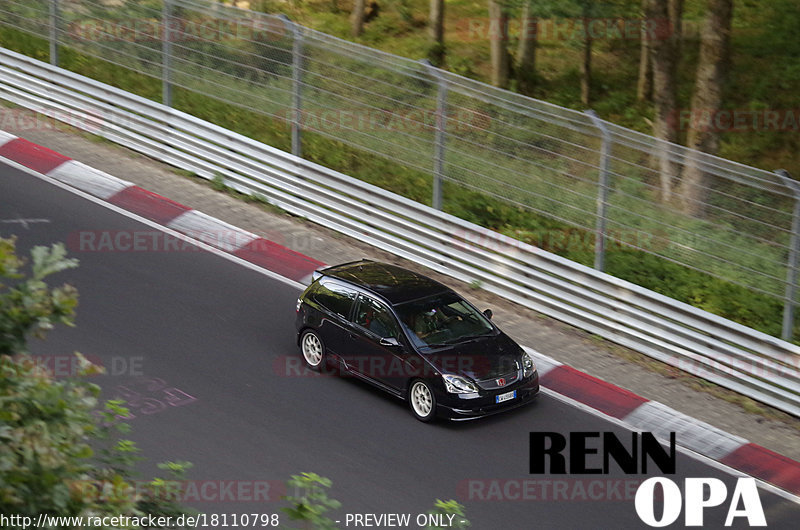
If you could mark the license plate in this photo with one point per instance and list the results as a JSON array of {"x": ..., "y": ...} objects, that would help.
[{"x": 505, "y": 397}]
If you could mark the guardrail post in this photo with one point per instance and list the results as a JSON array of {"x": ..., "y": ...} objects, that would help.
[
  {"x": 54, "y": 32},
  {"x": 166, "y": 53},
  {"x": 441, "y": 131},
  {"x": 791, "y": 264},
  {"x": 602, "y": 197},
  {"x": 297, "y": 85}
]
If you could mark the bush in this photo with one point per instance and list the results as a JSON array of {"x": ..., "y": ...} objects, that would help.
[{"x": 59, "y": 455}]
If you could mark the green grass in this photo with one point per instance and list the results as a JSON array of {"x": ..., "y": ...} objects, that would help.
[{"x": 764, "y": 68}]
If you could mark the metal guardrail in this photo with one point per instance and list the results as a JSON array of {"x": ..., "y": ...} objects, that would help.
[
  {"x": 578, "y": 179},
  {"x": 724, "y": 352}
]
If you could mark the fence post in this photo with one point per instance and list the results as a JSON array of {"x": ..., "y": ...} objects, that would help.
[
  {"x": 791, "y": 264},
  {"x": 441, "y": 131},
  {"x": 54, "y": 32},
  {"x": 602, "y": 197},
  {"x": 166, "y": 53},
  {"x": 297, "y": 85}
]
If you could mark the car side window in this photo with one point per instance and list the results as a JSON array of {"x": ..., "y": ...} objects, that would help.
[
  {"x": 335, "y": 298},
  {"x": 375, "y": 317}
]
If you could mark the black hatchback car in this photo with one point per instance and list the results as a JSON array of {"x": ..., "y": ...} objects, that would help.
[{"x": 414, "y": 338}]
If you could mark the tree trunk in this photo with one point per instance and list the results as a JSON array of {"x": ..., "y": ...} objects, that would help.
[
  {"x": 644, "y": 87},
  {"x": 357, "y": 18},
  {"x": 436, "y": 32},
  {"x": 712, "y": 69},
  {"x": 526, "y": 50},
  {"x": 665, "y": 95},
  {"x": 498, "y": 38},
  {"x": 586, "y": 71},
  {"x": 586, "y": 56},
  {"x": 676, "y": 24}
]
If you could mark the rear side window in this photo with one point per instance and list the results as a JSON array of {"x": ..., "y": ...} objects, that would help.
[
  {"x": 375, "y": 317},
  {"x": 334, "y": 297}
]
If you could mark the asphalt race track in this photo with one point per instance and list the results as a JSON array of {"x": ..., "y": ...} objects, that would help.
[{"x": 205, "y": 348}]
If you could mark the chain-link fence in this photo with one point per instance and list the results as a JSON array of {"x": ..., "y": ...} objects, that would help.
[{"x": 594, "y": 183}]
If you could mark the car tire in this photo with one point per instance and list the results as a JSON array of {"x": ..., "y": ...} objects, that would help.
[
  {"x": 422, "y": 400},
  {"x": 313, "y": 350}
]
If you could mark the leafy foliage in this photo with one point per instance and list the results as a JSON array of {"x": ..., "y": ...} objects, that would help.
[
  {"x": 311, "y": 501},
  {"x": 449, "y": 508},
  {"x": 30, "y": 307},
  {"x": 50, "y": 430}
]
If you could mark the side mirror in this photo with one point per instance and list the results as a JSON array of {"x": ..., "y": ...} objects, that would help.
[
  {"x": 389, "y": 341},
  {"x": 488, "y": 313}
]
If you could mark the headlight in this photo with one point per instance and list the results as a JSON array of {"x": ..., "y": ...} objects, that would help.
[
  {"x": 527, "y": 365},
  {"x": 458, "y": 385},
  {"x": 299, "y": 303}
]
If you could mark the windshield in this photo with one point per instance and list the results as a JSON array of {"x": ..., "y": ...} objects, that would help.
[{"x": 442, "y": 319}]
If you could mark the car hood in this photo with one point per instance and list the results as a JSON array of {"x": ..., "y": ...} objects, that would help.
[{"x": 478, "y": 359}]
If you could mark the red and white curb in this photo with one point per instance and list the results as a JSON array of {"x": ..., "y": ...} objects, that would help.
[
  {"x": 630, "y": 409},
  {"x": 644, "y": 415},
  {"x": 173, "y": 215}
]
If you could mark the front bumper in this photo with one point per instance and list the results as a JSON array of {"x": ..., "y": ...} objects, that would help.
[{"x": 451, "y": 406}]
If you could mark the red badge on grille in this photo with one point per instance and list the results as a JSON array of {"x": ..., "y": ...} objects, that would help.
[{"x": 501, "y": 382}]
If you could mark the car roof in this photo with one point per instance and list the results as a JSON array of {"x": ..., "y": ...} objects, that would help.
[{"x": 395, "y": 284}]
